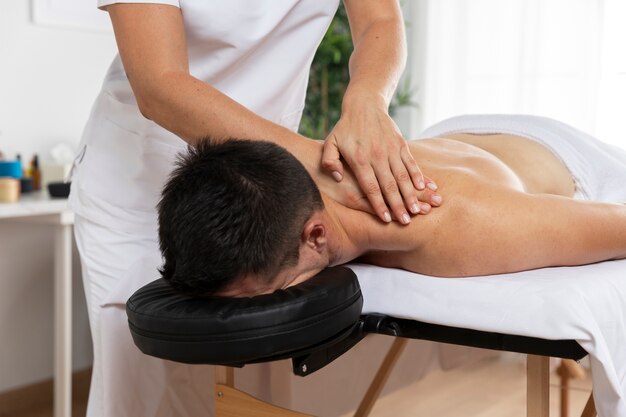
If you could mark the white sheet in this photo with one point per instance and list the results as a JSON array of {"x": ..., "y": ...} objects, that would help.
[{"x": 584, "y": 303}]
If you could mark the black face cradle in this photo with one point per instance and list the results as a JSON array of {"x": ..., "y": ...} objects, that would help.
[
  {"x": 313, "y": 323},
  {"x": 237, "y": 331}
]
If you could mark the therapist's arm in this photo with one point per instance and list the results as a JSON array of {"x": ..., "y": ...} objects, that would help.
[
  {"x": 153, "y": 48},
  {"x": 365, "y": 136},
  {"x": 152, "y": 44}
]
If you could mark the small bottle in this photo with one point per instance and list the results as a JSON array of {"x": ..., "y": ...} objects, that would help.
[
  {"x": 36, "y": 173},
  {"x": 18, "y": 157}
]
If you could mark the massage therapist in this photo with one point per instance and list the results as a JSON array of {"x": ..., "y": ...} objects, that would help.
[{"x": 191, "y": 69}]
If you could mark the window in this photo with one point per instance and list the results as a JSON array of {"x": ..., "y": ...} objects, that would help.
[{"x": 560, "y": 58}]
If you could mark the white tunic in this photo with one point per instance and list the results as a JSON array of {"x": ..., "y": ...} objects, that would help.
[{"x": 256, "y": 52}]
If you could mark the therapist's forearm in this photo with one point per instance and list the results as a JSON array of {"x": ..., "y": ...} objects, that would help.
[
  {"x": 376, "y": 64},
  {"x": 153, "y": 48},
  {"x": 194, "y": 110}
]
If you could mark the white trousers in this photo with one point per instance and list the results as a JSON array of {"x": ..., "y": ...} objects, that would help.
[{"x": 125, "y": 382}]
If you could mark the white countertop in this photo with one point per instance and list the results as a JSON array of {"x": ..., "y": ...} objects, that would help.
[{"x": 34, "y": 204}]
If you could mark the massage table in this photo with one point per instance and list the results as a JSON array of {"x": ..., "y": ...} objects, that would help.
[{"x": 551, "y": 312}]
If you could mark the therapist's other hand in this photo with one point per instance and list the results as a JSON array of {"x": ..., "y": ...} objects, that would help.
[
  {"x": 349, "y": 193},
  {"x": 390, "y": 178}
]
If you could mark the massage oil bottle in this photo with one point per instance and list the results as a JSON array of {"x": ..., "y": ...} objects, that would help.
[{"x": 36, "y": 173}]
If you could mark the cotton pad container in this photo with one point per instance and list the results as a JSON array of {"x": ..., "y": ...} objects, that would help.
[
  {"x": 12, "y": 169},
  {"x": 9, "y": 190}
]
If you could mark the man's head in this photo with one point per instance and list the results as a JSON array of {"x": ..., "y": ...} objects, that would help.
[{"x": 237, "y": 218}]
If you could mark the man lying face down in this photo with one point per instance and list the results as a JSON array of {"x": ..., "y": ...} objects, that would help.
[
  {"x": 232, "y": 216},
  {"x": 244, "y": 217}
]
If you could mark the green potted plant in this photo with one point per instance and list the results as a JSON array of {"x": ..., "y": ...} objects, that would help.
[{"x": 328, "y": 80}]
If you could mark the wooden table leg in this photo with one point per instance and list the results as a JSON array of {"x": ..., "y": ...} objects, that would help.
[
  {"x": 368, "y": 401},
  {"x": 225, "y": 375},
  {"x": 537, "y": 386},
  {"x": 230, "y": 402},
  {"x": 564, "y": 378},
  {"x": 590, "y": 408}
]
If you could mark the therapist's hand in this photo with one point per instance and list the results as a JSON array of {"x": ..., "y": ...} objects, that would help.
[{"x": 370, "y": 142}]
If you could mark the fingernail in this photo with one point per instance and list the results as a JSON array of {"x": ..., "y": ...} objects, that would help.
[
  {"x": 387, "y": 216},
  {"x": 432, "y": 186},
  {"x": 436, "y": 199},
  {"x": 425, "y": 208},
  {"x": 406, "y": 219},
  {"x": 337, "y": 176},
  {"x": 420, "y": 185},
  {"x": 415, "y": 208}
]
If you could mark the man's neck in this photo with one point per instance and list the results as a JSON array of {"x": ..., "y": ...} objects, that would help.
[
  {"x": 348, "y": 236},
  {"x": 354, "y": 233}
]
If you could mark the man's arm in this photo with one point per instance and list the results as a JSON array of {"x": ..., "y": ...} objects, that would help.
[{"x": 494, "y": 230}]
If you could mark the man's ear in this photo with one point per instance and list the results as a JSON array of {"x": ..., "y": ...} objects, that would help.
[{"x": 314, "y": 233}]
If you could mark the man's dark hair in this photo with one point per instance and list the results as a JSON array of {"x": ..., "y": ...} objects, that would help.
[{"x": 232, "y": 209}]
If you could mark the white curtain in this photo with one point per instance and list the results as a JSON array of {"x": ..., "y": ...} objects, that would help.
[{"x": 564, "y": 59}]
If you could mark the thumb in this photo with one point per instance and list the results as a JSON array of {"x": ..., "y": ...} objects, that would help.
[{"x": 331, "y": 161}]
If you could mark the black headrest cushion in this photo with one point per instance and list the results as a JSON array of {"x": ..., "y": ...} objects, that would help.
[{"x": 235, "y": 331}]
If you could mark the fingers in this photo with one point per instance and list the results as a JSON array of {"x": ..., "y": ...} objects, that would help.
[
  {"x": 429, "y": 194},
  {"x": 430, "y": 183},
  {"x": 412, "y": 168},
  {"x": 391, "y": 192},
  {"x": 405, "y": 186},
  {"x": 387, "y": 180},
  {"x": 429, "y": 197},
  {"x": 399, "y": 189},
  {"x": 427, "y": 187},
  {"x": 420, "y": 181},
  {"x": 390, "y": 189},
  {"x": 383, "y": 166},
  {"x": 331, "y": 159},
  {"x": 369, "y": 184}
]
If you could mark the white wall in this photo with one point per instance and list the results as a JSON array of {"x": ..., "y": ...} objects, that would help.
[
  {"x": 48, "y": 79},
  {"x": 415, "y": 16}
]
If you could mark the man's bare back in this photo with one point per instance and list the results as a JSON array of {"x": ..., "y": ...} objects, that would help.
[
  {"x": 507, "y": 207},
  {"x": 523, "y": 156}
]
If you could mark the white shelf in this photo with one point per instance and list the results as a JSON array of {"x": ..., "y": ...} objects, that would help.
[{"x": 35, "y": 204}]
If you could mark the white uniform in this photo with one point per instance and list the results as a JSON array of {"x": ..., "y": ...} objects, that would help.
[{"x": 256, "y": 52}]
